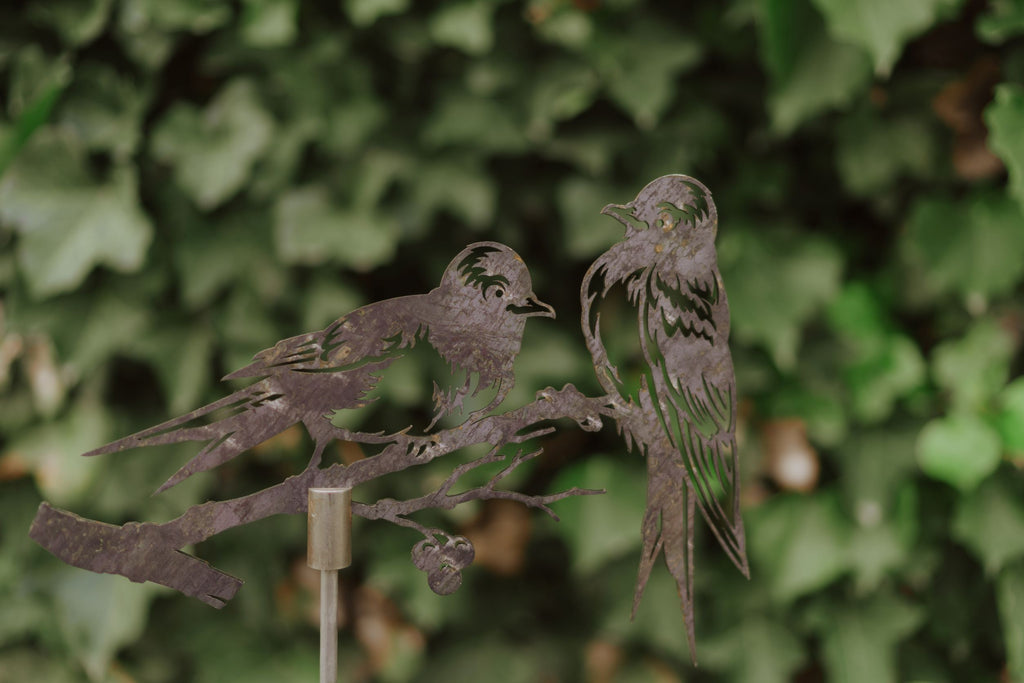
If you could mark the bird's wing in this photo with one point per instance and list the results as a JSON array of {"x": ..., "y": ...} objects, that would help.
[
  {"x": 230, "y": 426},
  {"x": 368, "y": 335},
  {"x": 604, "y": 275},
  {"x": 694, "y": 394},
  {"x": 192, "y": 426}
]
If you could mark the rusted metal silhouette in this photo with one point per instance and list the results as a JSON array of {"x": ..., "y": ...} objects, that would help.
[{"x": 681, "y": 414}]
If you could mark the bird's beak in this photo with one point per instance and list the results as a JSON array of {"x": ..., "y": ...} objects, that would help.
[
  {"x": 533, "y": 307},
  {"x": 616, "y": 211},
  {"x": 624, "y": 214}
]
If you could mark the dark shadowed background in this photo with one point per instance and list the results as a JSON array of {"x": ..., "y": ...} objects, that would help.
[{"x": 183, "y": 182}]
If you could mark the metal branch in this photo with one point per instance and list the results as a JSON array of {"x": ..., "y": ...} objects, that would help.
[
  {"x": 152, "y": 552},
  {"x": 396, "y": 511}
]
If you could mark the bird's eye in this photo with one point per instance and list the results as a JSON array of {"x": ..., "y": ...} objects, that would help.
[{"x": 499, "y": 293}]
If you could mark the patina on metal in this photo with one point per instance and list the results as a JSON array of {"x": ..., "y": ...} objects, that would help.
[{"x": 681, "y": 415}]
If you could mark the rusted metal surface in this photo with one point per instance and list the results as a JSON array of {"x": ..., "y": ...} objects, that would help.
[
  {"x": 474, "y": 320},
  {"x": 682, "y": 416}
]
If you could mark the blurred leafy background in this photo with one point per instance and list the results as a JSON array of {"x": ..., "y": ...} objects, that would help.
[{"x": 186, "y": 181}]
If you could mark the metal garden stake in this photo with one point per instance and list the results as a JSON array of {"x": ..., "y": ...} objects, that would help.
[{"x": 328, "y": 549}]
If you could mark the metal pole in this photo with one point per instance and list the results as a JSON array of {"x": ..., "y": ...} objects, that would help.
[{"x": 328, "y": 549}]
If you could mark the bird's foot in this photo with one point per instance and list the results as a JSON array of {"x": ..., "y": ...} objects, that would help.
[{"x": 423, "y": 448}]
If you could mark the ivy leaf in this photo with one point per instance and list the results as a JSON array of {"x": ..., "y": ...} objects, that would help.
[
  {"x": 78, "y": 22},
  {"x": 1010, "y": 418},
  {"x": 960, "y": 449},
  {"x": 203, "y": 270},
  {"x": 820, "y": 405},
  {"x": 885, "y": 365},
  {"x": 882, "y": 27},
  {"x": 757, "y": 649},
  {"x": 465, "y": 191},
  {"x": 479, "y": 123},
  {"x": 803, "y": 274},
  {"x": 69, "y": 221},
  {"x": 825, "y": 75},
  {"x": 309, "y": 229},
  {"x": 28, "y": 665},
  {"x": 1010, "y": 597},
  {"x": 105, "y": 111},
  {"x": 1005, "y": 120},
  {"x": 876, "y": 464},
  {"x": 859, "y": 641},
  {"x": 878, "y": 379},
  {"x": 974, "y": 247},
  {"x": 599, "y": 528},
  {"x": 213, "y": 151},
  {"x": 244, "y": 326},
  {"x": 876, "y": 551},
  {"x": 874, "y": 153},
  {"x": 365, "y": 13},
  {"x": 975, "y": 368},
  {"x": 181, "y": 357},
  {"x": 657, "y": 617},
  {"x": 1003, "y": 20},
  {"x": 351, "y": 124},
  {"x": 640, "y": 65},
  {"x": 587, "y": 232},
  {"x": 783, "y": 28},
  {"x": 799, "y": 543},
  {"x": 194, "y": 16},
  {"x": 105, "y": 325},
  {"x": 50, "y": 452},
  {"x": 269, "y": 23},
  {"x": 100, "y": 613},
  {"x": 990, "y": 521},
  {"x": 325, "y": 300},
  {"x": 570, "y": 26},
  {"x": 36, "y": 86},
  {"x": 466, "y": 26},
  {"x": 560, "y": 92}
]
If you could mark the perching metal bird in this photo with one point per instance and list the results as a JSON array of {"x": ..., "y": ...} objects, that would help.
[
  {"x": 474, "y": 320},
  {"x": 682, "y": 416},
  {"x": 680, "y": 413}
]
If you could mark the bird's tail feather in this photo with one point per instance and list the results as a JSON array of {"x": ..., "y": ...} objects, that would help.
[
  {"x": 668, "y": 527},
  {"x": 232, "y": 436},
  {"x": 179, "y": 428}
]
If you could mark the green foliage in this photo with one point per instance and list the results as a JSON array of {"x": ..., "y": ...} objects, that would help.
[
  {"x": 183, "y": 182},
  {"x": 1005, "y": 116},
  {"x": 882, "y": 28}
]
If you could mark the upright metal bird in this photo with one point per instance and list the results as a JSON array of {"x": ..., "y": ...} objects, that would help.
[
  {"x": 474, "y": 320},
  {"x": 682, "y": 416}
]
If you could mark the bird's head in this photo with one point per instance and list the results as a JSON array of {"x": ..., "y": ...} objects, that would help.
[
  {"x": 669, "y": 203},
  {"x": 489, "y": 279}
]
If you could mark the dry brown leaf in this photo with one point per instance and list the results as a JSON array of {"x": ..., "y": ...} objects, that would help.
[
  {"x": 960, "y": 105},
  {"x": 500, "y": 535},
  {"x": 791, "y": 460},
  {"x": 381, "y": 630}
]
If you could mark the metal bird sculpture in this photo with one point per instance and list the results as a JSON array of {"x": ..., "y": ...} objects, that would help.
[
  {"x": 474, "y": 321},
  {"x": 307, "y": 378},
  {"x": 682, "y": 415},
  {"x": 679, "y": 412}
]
